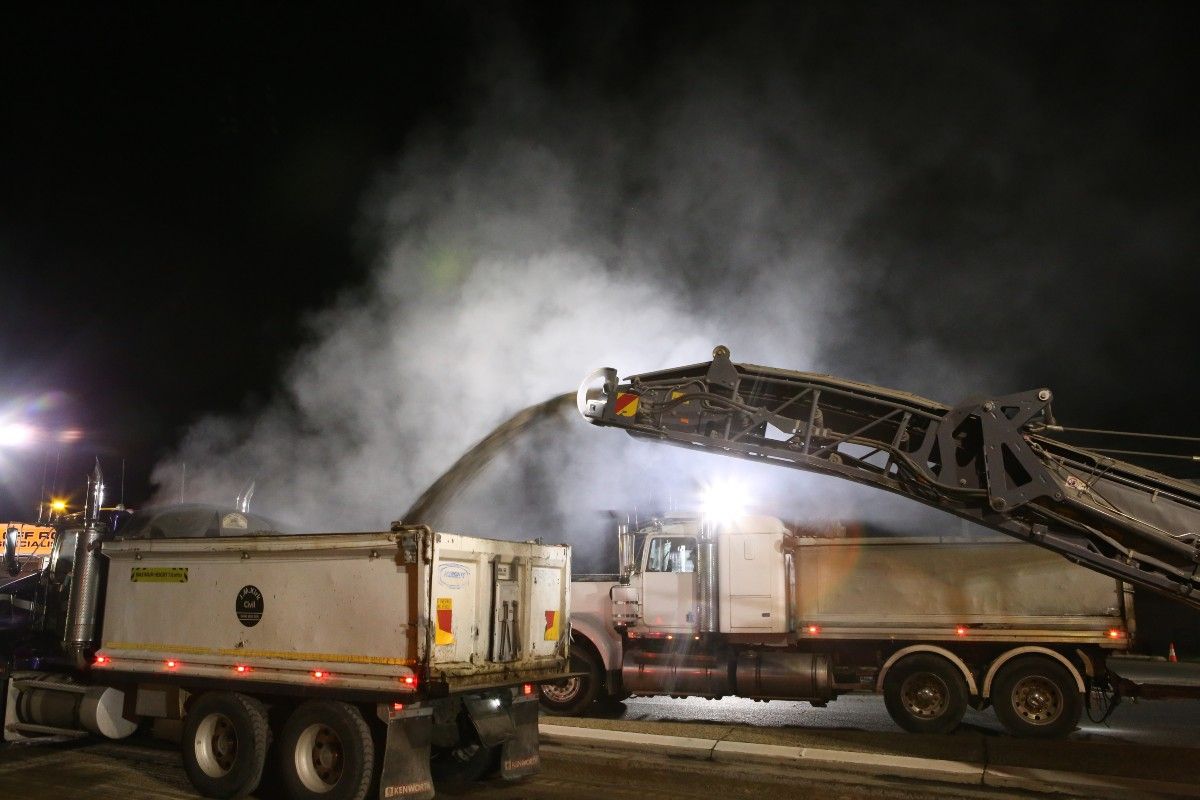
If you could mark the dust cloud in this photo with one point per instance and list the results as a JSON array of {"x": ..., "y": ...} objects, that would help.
[{"x": 555, "y": 229}]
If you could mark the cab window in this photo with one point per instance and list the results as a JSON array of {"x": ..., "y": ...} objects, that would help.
[{"x": 671, "y": 554}]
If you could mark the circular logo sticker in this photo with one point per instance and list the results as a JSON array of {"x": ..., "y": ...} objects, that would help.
[{"x": 249, "y": 606}]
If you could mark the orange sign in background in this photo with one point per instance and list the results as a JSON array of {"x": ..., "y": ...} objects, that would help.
[{"x": 35, "y": 540}]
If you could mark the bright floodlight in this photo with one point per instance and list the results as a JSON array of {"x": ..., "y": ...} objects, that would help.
[
  {"x": 724, "y": 500},
  {"x": 16, "y": 434}
]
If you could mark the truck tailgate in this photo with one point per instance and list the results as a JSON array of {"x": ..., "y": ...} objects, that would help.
[{"x": 499, "y": 610}]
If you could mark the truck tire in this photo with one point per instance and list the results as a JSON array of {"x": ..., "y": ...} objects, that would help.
[
  {"x": 326, "y": 751},
  {"x": 225, "y": 741},
  {"x": 1037, "y": 697},
  {"x": 567, "y": 698},
  {"x": 925, "y": 693}
]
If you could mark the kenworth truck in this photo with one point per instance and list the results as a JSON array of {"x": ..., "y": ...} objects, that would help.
[
  {"x": 936, "y": 624},
  {"x": 394, "y": 659},
  {"x": 998, "y": 462}
]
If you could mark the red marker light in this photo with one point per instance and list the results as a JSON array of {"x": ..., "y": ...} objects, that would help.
[
  {"x": 241, "y": 669},
  {"x": 320, "y": 674},
  {"x": 527, "y": 688},
  {"x": 1116, "y": 633},
  {"x": 397, "y": 706},
  {"x": 410, "y": 680},
  {"x": 814, "y": 629},
  {"x": 101, "y": 661},
  {"x": 172, "y": 663},
  {"x": 961, "y": 630}
]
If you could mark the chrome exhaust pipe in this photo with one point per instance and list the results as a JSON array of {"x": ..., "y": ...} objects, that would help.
[{"x": 79, "y": 631}]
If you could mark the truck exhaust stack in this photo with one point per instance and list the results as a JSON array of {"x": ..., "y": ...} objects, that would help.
[{"x": 79, "y": 632}]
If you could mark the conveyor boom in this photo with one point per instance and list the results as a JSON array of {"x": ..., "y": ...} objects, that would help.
[{"x": 988, "y": 461}]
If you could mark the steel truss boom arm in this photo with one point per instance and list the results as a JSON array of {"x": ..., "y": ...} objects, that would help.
[{"x": 987, "y": 461}]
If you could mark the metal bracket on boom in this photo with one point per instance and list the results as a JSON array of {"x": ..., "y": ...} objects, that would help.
[{"x": 985, "y": 460}]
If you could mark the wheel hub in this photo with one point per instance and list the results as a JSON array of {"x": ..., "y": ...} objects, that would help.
[
  {"x": 216, "y": 745},
  {"x": 1037, "y": 700},
  {"x": 562, "y": 691},
  {"x": 319, "y": 758},
  {"x": 925, "y": 695}
]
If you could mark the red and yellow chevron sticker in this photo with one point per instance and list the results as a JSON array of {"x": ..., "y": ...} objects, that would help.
[
  {"x": 444, "y": 621},
  {"x": 551, "y": 634},
  {"x": 627, "y": 404}
]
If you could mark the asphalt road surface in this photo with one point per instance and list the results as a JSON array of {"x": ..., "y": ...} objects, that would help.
[{"x": 152, "y": 770}]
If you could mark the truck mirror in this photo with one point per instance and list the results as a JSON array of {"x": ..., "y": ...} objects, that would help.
[{"x": 11, "y": 536}]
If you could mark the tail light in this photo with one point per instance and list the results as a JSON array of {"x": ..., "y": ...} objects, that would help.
[{"x": 527, "y": 689}]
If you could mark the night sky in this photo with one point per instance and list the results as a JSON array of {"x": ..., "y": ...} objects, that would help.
[{"x": 183, "y": 187}]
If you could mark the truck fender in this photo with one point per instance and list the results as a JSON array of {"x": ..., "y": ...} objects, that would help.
[
  {"x": 601, "y": 635},
  {"x": 972, "y": 689},
  {"x": 1026, "y": 650}
]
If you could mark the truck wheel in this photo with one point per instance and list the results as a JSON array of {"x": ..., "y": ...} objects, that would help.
[
  {"x": 574, "y": 695},
  {"x": 225, "y": 741},
  {"x": 326, "y": 751},
  {"x": 1037, "y": 697},
  {"x": 925, "y": 693}
]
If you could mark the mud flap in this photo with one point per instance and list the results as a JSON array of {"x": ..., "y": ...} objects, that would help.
[
  {"x": 519, "y": 756},
  {"x": 405, "y": 771}
]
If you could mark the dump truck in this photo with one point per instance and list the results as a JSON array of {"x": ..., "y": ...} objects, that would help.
[
  {"x": 396, "y": 659},
  {"x": 999, "y": 461},
  {"x": 937, "y": 624}
]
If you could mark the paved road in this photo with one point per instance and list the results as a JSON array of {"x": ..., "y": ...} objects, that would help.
[{"x": 152, "y": 771}]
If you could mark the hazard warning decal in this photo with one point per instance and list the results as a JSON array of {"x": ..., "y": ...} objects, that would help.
[
  {"x": 551, "y": 634},
  {"x": 627, "y": 404},
  {"x": 444, "y": 621}
]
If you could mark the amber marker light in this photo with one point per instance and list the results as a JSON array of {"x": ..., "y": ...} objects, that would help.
[{"x": 1116, "y": 633}]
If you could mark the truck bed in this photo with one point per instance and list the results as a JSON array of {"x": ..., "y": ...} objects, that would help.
[
  {"x": 977, "y": 588},
  {"x": 380, "y": 612}
]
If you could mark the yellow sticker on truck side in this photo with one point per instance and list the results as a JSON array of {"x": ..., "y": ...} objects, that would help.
[
  {"x": 158, "y": 574},
  {"x": 443, "y": 632},
  {"x": 552, "y": 627}
]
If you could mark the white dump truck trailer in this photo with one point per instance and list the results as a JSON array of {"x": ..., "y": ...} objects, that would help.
[
  {"x": 934, "y": 623},
  {"x": 391, "y": 659}
]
